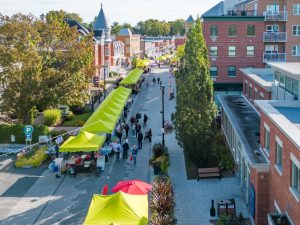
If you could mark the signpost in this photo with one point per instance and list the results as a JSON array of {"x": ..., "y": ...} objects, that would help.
[{"x": 28, "y": 130}]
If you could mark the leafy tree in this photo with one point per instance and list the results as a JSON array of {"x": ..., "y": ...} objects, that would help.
[
  {"x": 177, "y": 27},
  {"x": 115, "y": 28},
  {"x": 165, "y": 28},
  {"x": 61, "y": 15},
  {"x": 127, "y": 25},
  {"x": 43, "y": 63},
  {"x": 134, "y": 62},
  {"x": 195, "y": 110}
]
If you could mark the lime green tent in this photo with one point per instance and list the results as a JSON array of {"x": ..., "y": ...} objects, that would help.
[
  {"x": 106, "y": 116},
  {"x": 168, "y": 56},
  {"x": 84, "y": 141},
  {"x": 118, "y": 209},
  {"x": 161, "y": 58},
  {"x": 132, "y": 77}
]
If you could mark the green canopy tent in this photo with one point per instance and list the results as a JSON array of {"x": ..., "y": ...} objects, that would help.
[
  {"x": 161, "y": 58},
  {"x": 133, "y": 77},
  {"x": 168, "y": 56},
  {"x": 83, "y": 142},
  {"x": 118, "y": 209}
]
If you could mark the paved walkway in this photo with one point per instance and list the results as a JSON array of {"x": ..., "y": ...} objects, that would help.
[{"x": 66, "y": 200}]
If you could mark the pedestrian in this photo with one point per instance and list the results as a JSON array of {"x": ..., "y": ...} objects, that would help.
[
  {"x": 119, "y": 134},
  {"x": 134, "y": 154},
  {"x": 133, "y": 130},
  {"x": 148, "y": 135},
  {"x": 137, "y": 129},
  {"x": 158, "y": 81},
  {"x": 140, "y": 140},
  {"x": 145, "y": 120},
  {"x": 117, "y": 149},
  {"x": 154, "y": 81},
  {"x": 126, "y": 128},
  {"x": 125, "y": 149},
  {"x": 132, "y": 120}
]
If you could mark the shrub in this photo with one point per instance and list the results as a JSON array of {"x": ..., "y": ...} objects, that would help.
[
  {"x": 77, "y": 109},
  {"x": 226, "y": 160},
  {"x": 158, "y": 150},
  {"x": 162, "y": 202},
  {"x": 6, "y": 130},
  {"x": 33, "y": 159},
  {"x": 52, "y": 116},
  {"x": 163, "y": 162},
  {"x": 229, "y": 220},
  {"x": 70, "y": 116}
]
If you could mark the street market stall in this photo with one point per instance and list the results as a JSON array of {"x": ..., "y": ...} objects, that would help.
[
  {"x": 119, "y": 208},
  {"x": 133, "y": 77}
]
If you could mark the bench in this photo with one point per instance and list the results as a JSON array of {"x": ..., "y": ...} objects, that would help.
[{"x": 208, "y": 172}]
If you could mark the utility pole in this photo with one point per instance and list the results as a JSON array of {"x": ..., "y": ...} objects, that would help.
[{"x": 163, "y": 114}]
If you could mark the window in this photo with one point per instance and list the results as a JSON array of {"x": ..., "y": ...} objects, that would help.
[
  {"x": 296, "y": 9},
  {"x": 127, "y": 41},
  {"x": 271, "y": 48},
  {"x": 231, "y": 51},
  {"x": 250, "y": 30},
  {"x": 272, "y": 28},
  {"x": 214, "y": 51},
  {"x": 267, "y": 139},
  {"x": 213, "y": 71},
  {"x": 106, "y": 51},
  {"x": 278, "y": 155},
  {"x": 250, "y": 50},
  {"x": 232, "y": 30},
  {"x": 213, "y": 30},
  {"x": 127, "y": 50},
  {"x": 296, "y": 50},
  {"x": 272, "y": 8},
  {"x": 296, "y": 30},
  {"x": 295, "y": 177},
  {"x": 231, "y": 71}
]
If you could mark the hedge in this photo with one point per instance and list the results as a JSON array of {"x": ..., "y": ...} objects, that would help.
[
  {"x": 18, "y": 130},
  {"x": 34, "y": 159}
]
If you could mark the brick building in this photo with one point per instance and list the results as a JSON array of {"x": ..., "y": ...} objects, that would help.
[
  {"x": 249, "y": 33},
  {"x": 131, "y": 42}
]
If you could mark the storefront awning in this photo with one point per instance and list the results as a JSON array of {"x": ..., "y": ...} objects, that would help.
[{"x": 132, "y": 77}]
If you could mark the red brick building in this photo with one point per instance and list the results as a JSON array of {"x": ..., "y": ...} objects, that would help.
[{"x": 280, "y": 141}]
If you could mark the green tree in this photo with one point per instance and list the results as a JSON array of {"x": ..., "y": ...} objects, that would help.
[
  {"x": 43, "y": 63},
  {"x": 115, "y": 28},
  {"x": 177, "y": 27},
  {"x": 127, "y": 25},
  {"x": 61, "y": 15},
  {"x": 195, "y": 110},
  {"x": 134, "y": 62},
  {"x": 165, "y": 28}
]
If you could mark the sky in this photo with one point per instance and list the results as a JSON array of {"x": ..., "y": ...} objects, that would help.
[{"x": 130, "y": 11}]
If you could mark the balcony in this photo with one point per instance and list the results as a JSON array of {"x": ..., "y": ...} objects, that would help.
[
  {"x": 274, "y": 57},
  {"x": 276, "y": 218},
  {"x": 275, "y": 36},
  {"x": 276, "y": 15}
]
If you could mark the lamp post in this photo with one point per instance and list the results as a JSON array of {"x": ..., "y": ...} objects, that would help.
[
  {"x": 163, "y": 114},
  {"x": 104, "y": 82}
]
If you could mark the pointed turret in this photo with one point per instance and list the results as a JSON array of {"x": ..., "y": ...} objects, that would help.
[
  {"x": 101, "y": 27},
  {"x": 190, "y": 19}
]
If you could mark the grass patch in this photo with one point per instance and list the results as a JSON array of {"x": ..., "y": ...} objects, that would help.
[
  {"x": 78, "y": 120},
  {"x": 17, "y": 130}
]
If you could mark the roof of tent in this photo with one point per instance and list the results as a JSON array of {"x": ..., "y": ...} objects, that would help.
[
  {"x": 119, "y": 208},
  {"x": 84, "y": 141},
  {"x": 132, "y": 77},
  {"x": 106, "y": 116}
]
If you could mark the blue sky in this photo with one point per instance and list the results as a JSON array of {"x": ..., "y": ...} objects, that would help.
[{"x": 122, "y": 11}]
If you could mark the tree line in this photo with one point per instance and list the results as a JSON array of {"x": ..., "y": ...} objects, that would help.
[{"x": 43, "y": 64}]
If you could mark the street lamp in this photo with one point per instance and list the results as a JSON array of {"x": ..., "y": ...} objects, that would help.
[
  {"x": 104, "y": 82},
  {"x": 163, "y": 114}
]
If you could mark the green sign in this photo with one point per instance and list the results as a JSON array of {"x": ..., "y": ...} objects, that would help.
[{"x": 28, "y": 130}]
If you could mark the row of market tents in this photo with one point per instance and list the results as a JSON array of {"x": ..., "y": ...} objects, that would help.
[{"x": 103, "y": 121}]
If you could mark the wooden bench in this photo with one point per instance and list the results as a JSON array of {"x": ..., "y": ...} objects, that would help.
[{"x": 208, "y": 172}]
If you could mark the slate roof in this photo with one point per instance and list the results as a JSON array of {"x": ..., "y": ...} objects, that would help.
[
  {"x": 217, "y": 10},
  {"x": 74, "y": 23},
  {"x": 101, "y": 21},
  {"x": 190, "y": 19},
  {"x": 125, "y": 32}
]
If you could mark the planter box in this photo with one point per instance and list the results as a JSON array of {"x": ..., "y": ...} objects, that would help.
[{"x": 273, "y": 219}]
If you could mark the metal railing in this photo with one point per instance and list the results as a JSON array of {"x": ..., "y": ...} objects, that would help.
[
  {"x": 276, "y": 15},
  {"x": 275, "y": 36},
  {"x": 274, "y": 57}
]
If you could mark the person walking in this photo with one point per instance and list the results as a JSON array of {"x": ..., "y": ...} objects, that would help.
[
  {"x": 117, "y": 149},
  {"x": 148, "y": 135},
  {"x": 154, "y": 81},
  {"x": 137, "y": 129},
  {"x": 132, "y": 120},
  {"x": 119, "y": 134},
  {"x": 134, "y": 154},
  {"x": 126, "y": 128},
  {"x": 145, "y": 120},
  {"x": 125, "y": 147},
  {"x": 140, "y": 140},
  {"x": 158, "y": 81},
  {"x": 133, "y": 127}
]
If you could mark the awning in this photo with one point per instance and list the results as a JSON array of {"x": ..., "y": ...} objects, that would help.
[
  {"x": 161, "y": 58},
  {"x": 132, "y": 77},
  {"x": 118, "y": 209},
  {"x": 83, "y": 142}
]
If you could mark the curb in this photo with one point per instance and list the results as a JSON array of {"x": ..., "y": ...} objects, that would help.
[{"x": 7, "y": 165}]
